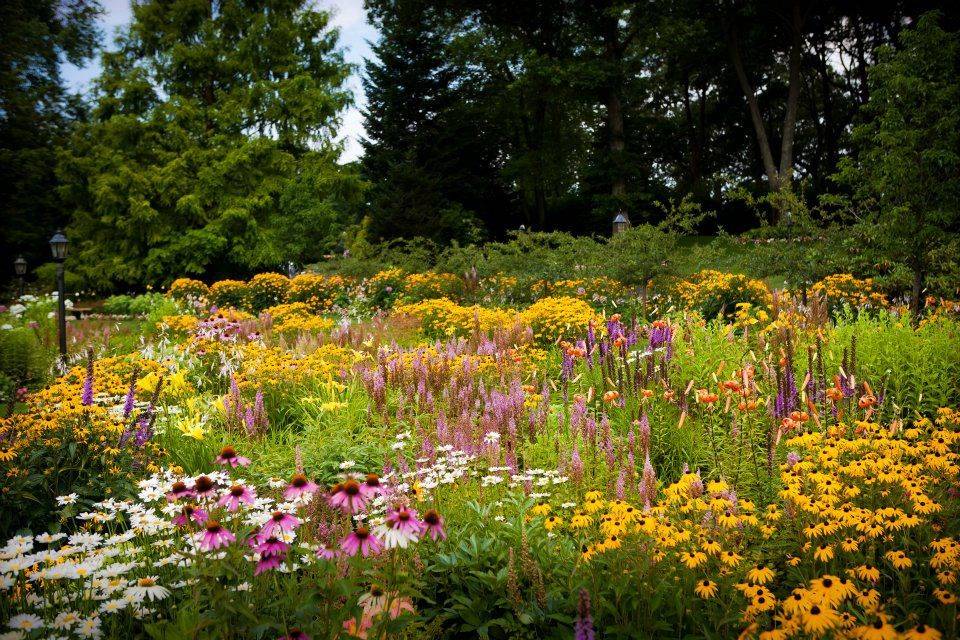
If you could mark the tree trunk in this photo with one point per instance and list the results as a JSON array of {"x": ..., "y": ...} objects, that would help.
[
  {"x": 793, "y": 99},
  {"x": 758, "y": 126}
]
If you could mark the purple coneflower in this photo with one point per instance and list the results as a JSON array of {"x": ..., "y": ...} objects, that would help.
[
  {"x": 215, "y": 536},
  {"x": 280, "y": 521},
  {"x": 299, "y": 485},
  {"x": 433, "y": 525},
  {"x": 371, "y": 487},
  {"x": 236, "y": 495},
  {"x": 228, "y": 456},
  {"x": 190, "y": 513},
  {"x": 295, "y": 634},
  {"x": 328, "y": 553},
  {"x": 267, "y": 563},
  {"x": 204, "y": 487},
  {"x": 348, "y": 496},
  {"x": 361, "y": 540},
  {"x": 268, "y": 545},
  {"x": 178, "y": 490}
]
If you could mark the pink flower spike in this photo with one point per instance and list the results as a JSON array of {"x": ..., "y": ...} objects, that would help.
[
  {"x": 361, "y": 540},
  {"x": 299, "y": 485},
  {"x": 236, "y": 495},
  {"x": 433, "y": 525},
  {"x": 215, "y": 537},
  {"x": 228, "y": 457},
  {"x": 280, "y": 521}
]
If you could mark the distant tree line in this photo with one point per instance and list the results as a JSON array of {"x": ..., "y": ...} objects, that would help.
[{"x": 556, "y": 114}]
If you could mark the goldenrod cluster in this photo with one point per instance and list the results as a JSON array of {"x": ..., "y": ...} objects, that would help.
[
  {"x": 441, "y": 317},
  {"x": 844, "y": 288}
]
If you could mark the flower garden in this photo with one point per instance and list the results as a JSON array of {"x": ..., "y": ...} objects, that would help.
[{"x": 430, "y": 455}]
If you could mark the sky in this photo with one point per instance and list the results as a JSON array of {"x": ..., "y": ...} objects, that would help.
[{"x": 355, "y": 37}]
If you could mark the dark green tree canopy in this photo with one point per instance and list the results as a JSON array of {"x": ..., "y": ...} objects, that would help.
[{"x": 209, "y": 146}]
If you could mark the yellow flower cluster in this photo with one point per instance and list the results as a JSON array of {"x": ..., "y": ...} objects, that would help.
[
  {"x": 229, "y": 293},
  {"x": 844, "y": 288},
  {"x": 442, "y": 317},
  {"x": 183, "y": 288},
  {"x": 713, "y": 292},
  {"x": 263, "y": 366},
  {"x": 55, "y": 418},
  {"x": 558, "y": 318},
  {"x": 181, "y": 324},
  {"x": 858, "y": 509},
  {"x": 319, "y": 292},
  {"x": 421, "y": 286},
  {"x": 579, "y": 287}
]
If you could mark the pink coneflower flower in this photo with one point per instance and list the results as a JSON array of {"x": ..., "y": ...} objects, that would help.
[
  {"x": 280, "y": 521},
  {"x": 190, "y": 513},
  {"x": 361, "y": 540},
  {"x": 228, "y": 456},
  {"x": 348, "y": 496},
  {"x": 328, "y": 553},
  {"x": 204, "y": 487},
  {"x": 295, "y": 634},
  {"x": 215, "y": 537},
  {"x": 433, "y": 525},
  {"x": 267, "y": 545},
  {"x": 371, "y": 487},
  {"x": 299, "y": 485},
  {"x": 179, "y": 490},
  {"x": 402, "y": 528},
  {"x": 266, "y": 563},
  {"x": 235, "y": 495}
]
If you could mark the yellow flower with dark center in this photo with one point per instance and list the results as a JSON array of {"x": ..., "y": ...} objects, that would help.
[
  {"x": 818, "y": 620},
  {"x": 922, "y": 632},
  {"x": 877, "y": 630},
  {"x": 823, "y": 553},
  {"x": 541, "y": 509},
  {"x": 760, "y": 574},
  {"x": 706, "y": 589},
  {"x": 692, "y": 560},
  {"x": 899, "y": 559},
  {"x": 552, "y": 523},
  {"x": 867, "y": 572},
  {"x": 944, "y": 596}
]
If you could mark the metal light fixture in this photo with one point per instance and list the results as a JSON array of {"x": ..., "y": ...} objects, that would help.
[
  {"x": 58, "y": 247},
  {"x": 20, "y": 268},
  {"x": 620, "y": 223}
]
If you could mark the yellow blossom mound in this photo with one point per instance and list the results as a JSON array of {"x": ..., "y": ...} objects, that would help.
[
  {"x": 714, "y": 292},
  {"x": 843, "y": 288},
  {"x": 441, "y": 317},
  {"x": 558, "y": 318}
]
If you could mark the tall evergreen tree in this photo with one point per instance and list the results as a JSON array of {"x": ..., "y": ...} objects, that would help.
[
  {"x": 36, "y": 114},
  {"x": 431, "y": 170},
  {"x": 208, "y": 150}
]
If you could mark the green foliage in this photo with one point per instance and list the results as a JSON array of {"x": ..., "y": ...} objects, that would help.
[
  {"x": 22, "y": 356},
  {"x": 137, "y": 305},
  {"x": 181, "y": 174},
  {"x": 906, "y": 173},
  {"x": 37, "y": 114}
]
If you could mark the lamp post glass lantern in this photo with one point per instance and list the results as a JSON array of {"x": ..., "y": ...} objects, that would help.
[
  {"x": 620, "y": 223},
  {"x": 20, "y": 268},
  {"x": 58, "y": 247}
]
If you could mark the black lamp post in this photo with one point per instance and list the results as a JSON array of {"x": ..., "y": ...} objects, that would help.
[
  {"x": 20, "y": 268},
  {"x": 620, "y": 223},
  {"x": 58, "y": 247}
]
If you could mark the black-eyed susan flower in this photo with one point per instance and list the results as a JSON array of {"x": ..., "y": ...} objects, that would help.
[
  {"x": 705, "y": 589},
  {"x": 879, "y": 629},
  {"x": 823, "y": 553},
  {"x": 817, "y": 620},
  {"x": 760, "y": 574},
  {"x": 921, "y": 632}
]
